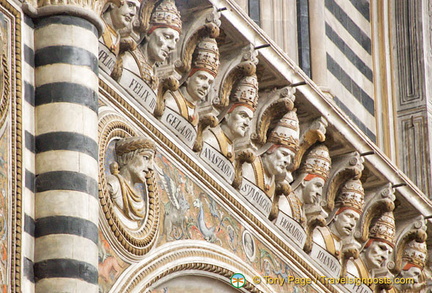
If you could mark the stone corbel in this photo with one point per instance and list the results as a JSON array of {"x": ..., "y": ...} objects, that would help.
[
  {"x": 230, "y": 72},
  {"x": 204, "y": 24},
  {"x": 169, "y": 83},
  {"x": 241, "y": 157},
  {"x": 414, "y": 229},
  {"x": 204, "y": 122},
  {"x": 316, "y": 217},
  {"x": 377, "y": 203},
  {"x": 345, "y": 167},
  {"x": 350, "y": 250},
  {"x": 278, "y": 104},
  {"x": 314, "y": 132}
]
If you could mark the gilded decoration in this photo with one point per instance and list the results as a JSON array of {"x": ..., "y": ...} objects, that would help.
[{"x": 129, "y": 213}]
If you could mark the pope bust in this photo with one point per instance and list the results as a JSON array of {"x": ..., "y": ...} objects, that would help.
[{"x": 134, "y": 159}]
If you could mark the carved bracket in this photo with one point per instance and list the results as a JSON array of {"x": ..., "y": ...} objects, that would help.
[
  {"x": 413, "y": 230},
  {"x": 169, "y": 83},
  {"x": 280, "y": 103},
  {"x": 204, "y": 122},
  {"x": 377, "y": 203},
  {"x": 314, "y": 221},
  {"x": 315, "y": 132},
  {"x": 244, "y": 156},
  {"x": 344, "y": 167}
]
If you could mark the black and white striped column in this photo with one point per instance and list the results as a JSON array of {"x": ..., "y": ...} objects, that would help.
[{"x": 66, "y": 205}]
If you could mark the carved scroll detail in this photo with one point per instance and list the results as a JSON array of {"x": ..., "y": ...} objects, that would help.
[
  {"x": 343, "y": 168},
  {"x": 167, "y": 84},
  {"x": 315, "y": 132},
  {"x": 245, "y": 156},
  {"x": 204, "y": 122},
  {"x": 380, "y": 202},
  {"x": 273, "y": 111}
]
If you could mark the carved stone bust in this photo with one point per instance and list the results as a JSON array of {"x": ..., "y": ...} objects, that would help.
[
  {"x": 273, "y": 160},
  {"x": 236, "y": 119},
  {"x": 349, "y": 206},
  {"x": 413, "y": 263},
  {"x": 377, "y": 250},
  {"x": 134, "y": 158},
  {"x": 205, "y": 63},
  {"x": 308, "y": 185},
  {"x": 117, "y": 16},
  {"x": 158, "y": 43}
]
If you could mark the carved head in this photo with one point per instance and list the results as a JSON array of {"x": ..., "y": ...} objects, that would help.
[
  {"x": 205, "y": 64},
  {"x": 237, "y": 122},
  {"x": 283, "y": 143},
  {"x": 381, "y": 241},
  {"x": 276, "y": 160},
  {"x": 163, "y": 34},
  {"x": 286, "y": 133},
  {"x": 349, "y": 206},
  {"x": 414, "y": 260},
  {"x": 135, "y": 157},
  {"x": 245, "y": 92},
  {"x": 314, "y": 173},
  {"x": 120, "y": 14}
]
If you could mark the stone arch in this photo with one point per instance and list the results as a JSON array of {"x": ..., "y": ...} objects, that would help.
[{"x": 187, "y": 258}]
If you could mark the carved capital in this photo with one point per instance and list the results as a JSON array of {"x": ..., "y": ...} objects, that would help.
[{"x": 87, "y": 9}]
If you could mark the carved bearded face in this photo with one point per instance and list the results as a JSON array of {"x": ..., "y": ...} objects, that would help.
[
  {"x": 377, "y": 254},
  {"x": 313, "y": 190},
  {"x": 139, "y": 165},
  {"x": 161, "y": 42},
  {"x": 276, "y": 163},
  {"x": 413, "y": 273},
  {"x": 344, "y": 223},
  {"x": 122, "y": 16},
  {"x": 238, "y": 121},
  {"x": 198, "y": 85}
]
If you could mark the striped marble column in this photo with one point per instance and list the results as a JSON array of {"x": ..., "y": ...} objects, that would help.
[{"x": 66, "y": 205}]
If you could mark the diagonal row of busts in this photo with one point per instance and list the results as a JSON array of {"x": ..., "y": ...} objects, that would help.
[{"x": 320, "y": 207}]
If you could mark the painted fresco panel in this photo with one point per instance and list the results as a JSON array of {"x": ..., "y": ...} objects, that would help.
[{"x": 190, "y": 213}]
